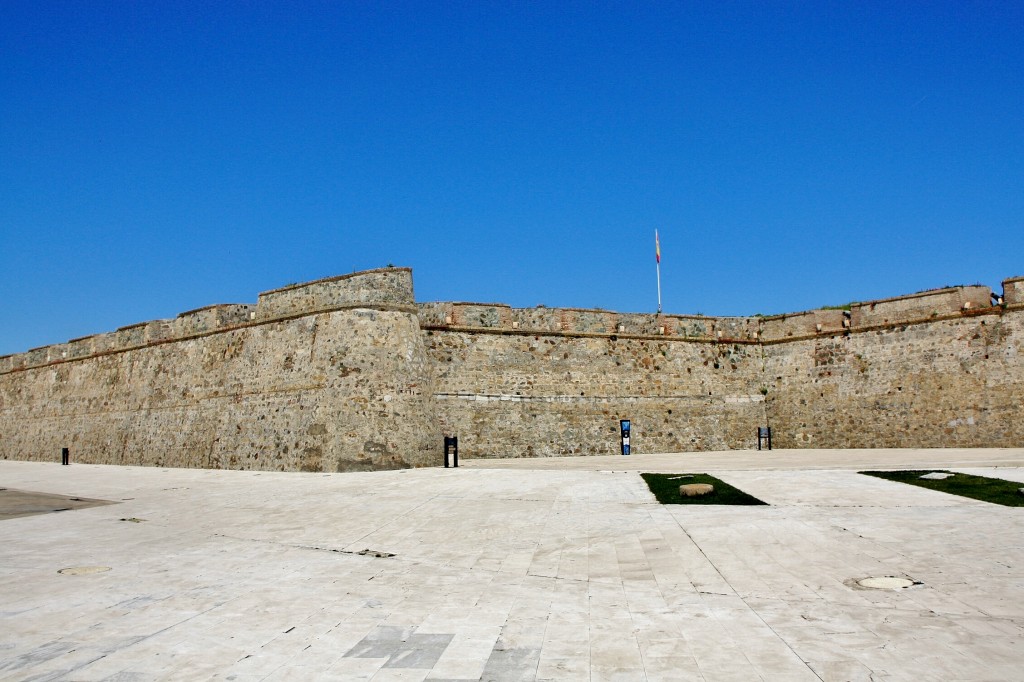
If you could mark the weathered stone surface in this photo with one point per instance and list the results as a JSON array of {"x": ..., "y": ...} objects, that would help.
[
  {"x": 936, "y": 476},
  {"x": 543, "y": 395},
  {"x": 921, "y": 306},
  {"x": 386, "y": 287},
  {"x": 340, "y": 390},
  {"x": 696, "y": 489},
  {"x": 1013, "y": 291},
  {"x": 349, "y": 374},
  {"x": 949, "y": 383}
]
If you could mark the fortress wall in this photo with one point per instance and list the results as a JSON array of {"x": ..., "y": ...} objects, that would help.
[
  {"x": 506, "y": 375},
  {"x": 349, "y": 373},
  {"x": 336, "y": 390},
  {"x": 953, "y": 382},
  {"x": 542, "y": 394}
]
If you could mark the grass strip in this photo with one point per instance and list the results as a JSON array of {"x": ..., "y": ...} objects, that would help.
[
  {"x": 666, "y": 488},
  {"x": 994, "y": 490}
]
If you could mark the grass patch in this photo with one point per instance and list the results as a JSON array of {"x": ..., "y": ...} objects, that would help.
[
  {"x": 666, "y": 488},
  {"x": 994, "y": 490}
]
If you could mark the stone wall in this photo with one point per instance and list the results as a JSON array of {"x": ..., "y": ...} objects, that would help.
[
  {"x": 349, "y": 373},
  {"x": 949, "y": 382},
  {"x": 558, "y": 393},
  {"x": 237, "y": 387},
  {"x": 936, "y": 368}
]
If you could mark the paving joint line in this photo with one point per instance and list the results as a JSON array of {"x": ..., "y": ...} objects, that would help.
[{"x": 744, "y": 600}]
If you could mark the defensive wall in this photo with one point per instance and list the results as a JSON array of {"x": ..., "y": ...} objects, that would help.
[
  {"x": 350, "y": 373},
  {"x": 329, "y": 375}
]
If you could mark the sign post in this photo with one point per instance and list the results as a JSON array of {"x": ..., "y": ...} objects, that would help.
[{"x": 624, "y": 430}]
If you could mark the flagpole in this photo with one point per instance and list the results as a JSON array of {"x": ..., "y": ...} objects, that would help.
[
  {"x": 657, "y": 262},
  {"x": 659, "y": 288}
]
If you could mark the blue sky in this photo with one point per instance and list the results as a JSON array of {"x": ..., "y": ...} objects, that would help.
[{"x": 158, "y": 157}]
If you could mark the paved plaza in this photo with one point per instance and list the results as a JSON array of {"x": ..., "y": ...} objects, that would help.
[{"x": 554, "y": 569}]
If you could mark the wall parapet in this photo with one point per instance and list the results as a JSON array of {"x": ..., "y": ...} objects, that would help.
[
  {"x": 499, "y": 317},
  {"x": 1013, "y": 292},
  {"x": 807, "y": 323},
  {"x": 212, "y": 317},
  {"x": 385, "y": 288},
  {"x": 910, "y": 309},
  {"x": 391, "y": 288},
  {"x": 920, "y": 306}
]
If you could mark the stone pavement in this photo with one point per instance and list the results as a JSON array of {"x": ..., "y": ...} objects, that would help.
[{"x": 540, "y": 569}]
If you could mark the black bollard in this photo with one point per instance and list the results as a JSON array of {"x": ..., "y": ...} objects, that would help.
[
  {"x": 65, "y": 455},
  {"x": 451, "y": 444}
]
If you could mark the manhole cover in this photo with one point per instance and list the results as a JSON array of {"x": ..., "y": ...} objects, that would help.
[
  {"x": 84, "y": 570},
  {"x": 886, "y": 583}
]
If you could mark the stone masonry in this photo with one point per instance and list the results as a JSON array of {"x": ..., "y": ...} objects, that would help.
[
  {"x": 349, "y": 373},
  {"x": 325, "y": 376}
]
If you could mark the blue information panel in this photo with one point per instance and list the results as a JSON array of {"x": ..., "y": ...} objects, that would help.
[{"x": 624, "y": 430}]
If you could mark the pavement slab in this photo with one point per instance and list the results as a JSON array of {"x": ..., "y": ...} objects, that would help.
[{"x": 555, "y": 569}]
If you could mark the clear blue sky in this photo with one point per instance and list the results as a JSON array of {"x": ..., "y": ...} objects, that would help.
[{"x": 162, "y": 156}]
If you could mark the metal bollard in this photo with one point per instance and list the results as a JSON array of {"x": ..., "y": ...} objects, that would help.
[{"x": 451, "y": 442}]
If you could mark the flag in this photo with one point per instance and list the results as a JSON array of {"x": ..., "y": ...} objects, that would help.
[{"x": 657, "y": 249}]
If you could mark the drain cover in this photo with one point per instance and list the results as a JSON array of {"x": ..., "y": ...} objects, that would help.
[
  {"x": 84, "y": 570},
  {"x": 886, "y": 583}
]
